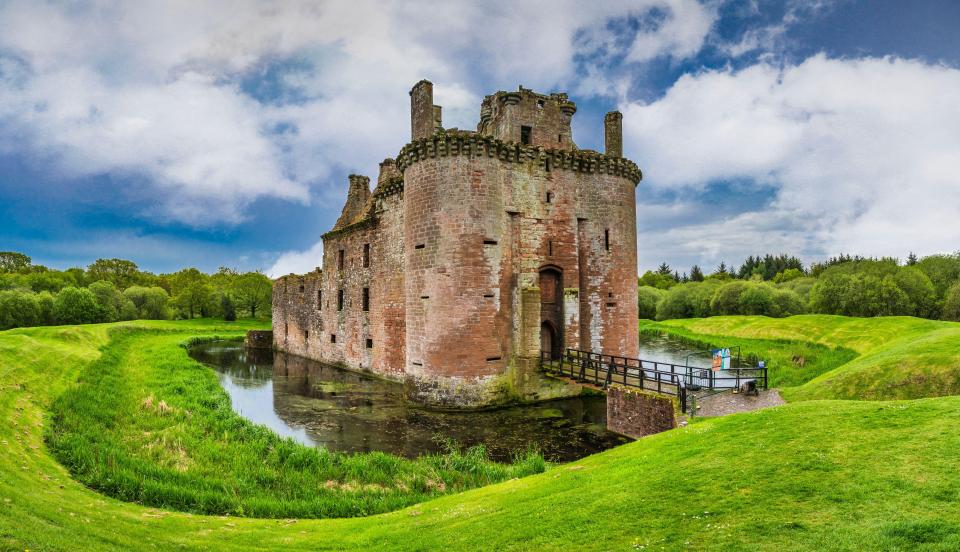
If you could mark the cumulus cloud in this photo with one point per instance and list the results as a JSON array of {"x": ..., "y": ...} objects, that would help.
[
  {"x": 861, "y": 154},
  {"x": 297, "y": 262},
  {"x": 156, "y": 92}
]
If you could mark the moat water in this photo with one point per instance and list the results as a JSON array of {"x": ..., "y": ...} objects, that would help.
[{"x": 321, "y": 405}]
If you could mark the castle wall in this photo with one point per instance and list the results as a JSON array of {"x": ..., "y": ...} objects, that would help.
[{"x": 460, "y": 230}]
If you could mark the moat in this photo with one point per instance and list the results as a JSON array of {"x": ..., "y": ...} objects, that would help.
[{"x": 321, "y": 405}]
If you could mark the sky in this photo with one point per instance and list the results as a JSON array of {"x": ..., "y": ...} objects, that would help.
[{"x": 208, "y": 134}]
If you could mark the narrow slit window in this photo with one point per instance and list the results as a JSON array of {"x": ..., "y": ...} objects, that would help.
[
  {"x": 489, "y": 242},
  {"x": 420, "y": 246},
  {"x": 286, "y": 328},
  {"x": 301, "y": 288},
  {"x": 560, "y": 138},
  {"x": 549, "y": 197},
  {"x": 366, "y": 299},
  {"x": 333, "y": 338},
  {"x": 306, "y": 334},
  {"x": 339, "y": 299},
  {"x": 340, "y": 260},
  {"x": 366, "y": 255},
  {"x": 525, "y": 134},
  {"x": 546, "y": 164},
  {"x": 369, "y": 344},
  {"x": 606, "y": 239},
  {"x": 493, "y": 359},
  {"x": 319, "y": 299},
  {"x": 550, "y": 247}
]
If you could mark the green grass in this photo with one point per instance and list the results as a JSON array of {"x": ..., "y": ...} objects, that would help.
[
  {"x": 813, "y": 475},
  {"x": 148, "y": 424},
  {"x": 884, "y": 358}
]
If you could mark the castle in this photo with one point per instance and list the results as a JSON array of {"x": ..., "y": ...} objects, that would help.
[{"x": 475, "y": 252}]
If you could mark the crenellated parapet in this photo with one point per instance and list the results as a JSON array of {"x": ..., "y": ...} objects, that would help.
[{"x": 472, "y": 144}]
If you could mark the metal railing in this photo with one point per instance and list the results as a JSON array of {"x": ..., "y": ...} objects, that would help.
[{"x": 662, "y": 377}]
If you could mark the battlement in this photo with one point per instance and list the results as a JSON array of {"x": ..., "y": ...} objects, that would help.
[{"x": 473, "y": 144}]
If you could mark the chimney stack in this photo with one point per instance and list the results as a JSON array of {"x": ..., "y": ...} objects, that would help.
[
  {"x": 421, "y": 110},
  {"x": 613, "y": 134}
]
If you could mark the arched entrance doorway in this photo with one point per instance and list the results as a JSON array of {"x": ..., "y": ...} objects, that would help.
[{"x": 551, "y": 311}]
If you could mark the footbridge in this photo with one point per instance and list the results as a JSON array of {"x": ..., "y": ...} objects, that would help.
[{"x": 685, "y": 382}]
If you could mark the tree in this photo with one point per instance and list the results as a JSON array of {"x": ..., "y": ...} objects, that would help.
[
  {"x": 120, "y": 272},
  {"x": 11, "y": 261},
  {"x": 664, "y": 270},
  {"x": 951, "y": 304},
  {"x": 721, "y": 273},
  {"x": 253, "y": 291},
  {"x": 919, "y": 289},
  {"x": 150, "y": 302},
  {"x": 911, "y": 259},
  {"x": 18, "y": 309},
  {"x": 657, "y": 280},
  {"x": 943, "y": 271},
  {"x": 787, "y": 275},
  {"x": 726, "y": 300},
  {"x": 194, "y": 299},
  {"x": 696, "y": 275},
  {"x": 757, "y": 299},
  {"x": 788, "y": 302},
  {"x": 76, "y": 306},
  {"x": 45, "y": 300},
  {"x": 229, "y": 311},
  {"x": 647, "y": 299},
  {"x": 108, "y": 298}
]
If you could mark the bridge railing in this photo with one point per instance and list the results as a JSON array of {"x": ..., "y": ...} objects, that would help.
[{"x": 601, "y": 369}]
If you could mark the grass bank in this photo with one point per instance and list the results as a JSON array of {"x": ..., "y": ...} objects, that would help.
[
  {"x": 147, "y": 424},
  {"x": 852, "y": 358},
  {"x": 818, "y": 475}
]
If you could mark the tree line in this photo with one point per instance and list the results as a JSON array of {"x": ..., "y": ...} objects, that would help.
[
  {"x": 780, "y": 285},
  {"x": 109, "y": 290}
]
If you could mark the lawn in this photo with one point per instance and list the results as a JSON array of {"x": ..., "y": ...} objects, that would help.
[
  {"x": 811, "y": 475},
  {"x": 884, "y": 358}
]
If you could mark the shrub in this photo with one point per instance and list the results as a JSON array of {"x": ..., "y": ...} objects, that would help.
[
  {"x": 919, "y": 290},
  {"x": 647, "y": 299},
  {"x": 18, "y": 309},
  {"x": 726, "y": 300},
  {"x": 150, "y": 302},
  {"x": 76, "y": 306},
  {"x": 758, "y": 299},
  {"x": 951, "y": 304},
  {"x": 788, "y": 302}
]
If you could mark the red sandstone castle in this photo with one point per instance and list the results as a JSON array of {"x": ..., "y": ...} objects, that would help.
[{"x": 475, "y": 252}]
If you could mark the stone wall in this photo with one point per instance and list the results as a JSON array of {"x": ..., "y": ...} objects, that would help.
[
  {"x": 258, "y": 339},
  {"x": 637, "y": 413},
  {"x": 459, "y": 231}
]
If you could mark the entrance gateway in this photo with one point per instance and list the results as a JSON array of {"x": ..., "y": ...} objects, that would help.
[{"x": 551, "y": 311}]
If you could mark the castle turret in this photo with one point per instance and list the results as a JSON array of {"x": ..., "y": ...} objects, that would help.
[
  {"x": 613, "y": 134},
  {"x": 422, "y": 116}
]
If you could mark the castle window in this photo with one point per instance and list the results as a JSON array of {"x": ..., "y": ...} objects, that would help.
[
  {"x": 333, "y": 338},
  {"x": 339, "y": 299},
  {"x": 366, "y": 255},
  {"x": 525, "y": 133},
  {"x": 550, "y": 247},
  {"x": 306, "y": 335},
  {"x": 301, "y": 288},
  {"x": 369, "y": 343},
  {"x": 606, "y": 239},
  {"x": 340, "y": 260},
  {"x": 286, "y": 328},
  {"x": 319, "y": 299},
  {"x": 540, "y": 104},
  {"x": 420, "y": 246},
  {"x": 546, "y": 164},
  {"x": 549, "y": 194},
  {"x": 489, "y": 242},
  {"x": 366, "y": 299},
  {"x": 559, "y": 137}
]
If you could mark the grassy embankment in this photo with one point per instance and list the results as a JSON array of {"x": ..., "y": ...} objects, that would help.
[
  {"x": 845, "y": 358},
  {"x": 819, "y": 475}
]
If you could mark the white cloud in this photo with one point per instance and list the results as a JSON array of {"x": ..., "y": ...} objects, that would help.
[
  {"x": 862, "y": 154},
  {"x": 297, "y": 262},
  {"x": 152, "y": 90}
]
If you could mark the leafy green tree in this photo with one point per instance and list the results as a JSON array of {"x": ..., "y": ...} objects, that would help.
[
  {"x": 919, "y": 290},
  {"x": 76, "y": 306},
  {"x": 150, "y": 302},
  {"x": 721, "y": 273},
  {"x": 657, "y": 280},
  {"x": 726, "y": 300},
  {"x": 951, "y": 304},
  {"x": 18, "y": 309},
  {"x": 787, "y": 275},
  {"x": 943, "y": 271},
  {"x": 647, "y": 299},
  {"x": 11, "y": 261},
  {"x": 758, "y": 299},
  {"x": 120, "y": 272},
  {"x": 788, "y": 302},
  {"x": 194, "y": 299},
  {"x": 253, "y": 291},
  {"x": 109, "y": 299},
  {"x": 48, "y": 280},
  {"x": 229, "y": 311},
  {"x": 46, "y": 300},
  {"x": 691, "y": 300}
]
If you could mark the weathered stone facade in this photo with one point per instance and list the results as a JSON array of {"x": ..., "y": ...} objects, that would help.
[{"x": 475, "y": 251}]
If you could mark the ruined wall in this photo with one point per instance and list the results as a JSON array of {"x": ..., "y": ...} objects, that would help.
[{"x": 312, "y": 319}]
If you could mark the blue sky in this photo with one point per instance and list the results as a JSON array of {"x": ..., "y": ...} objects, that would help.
[{"x": 215, "y": 134}]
